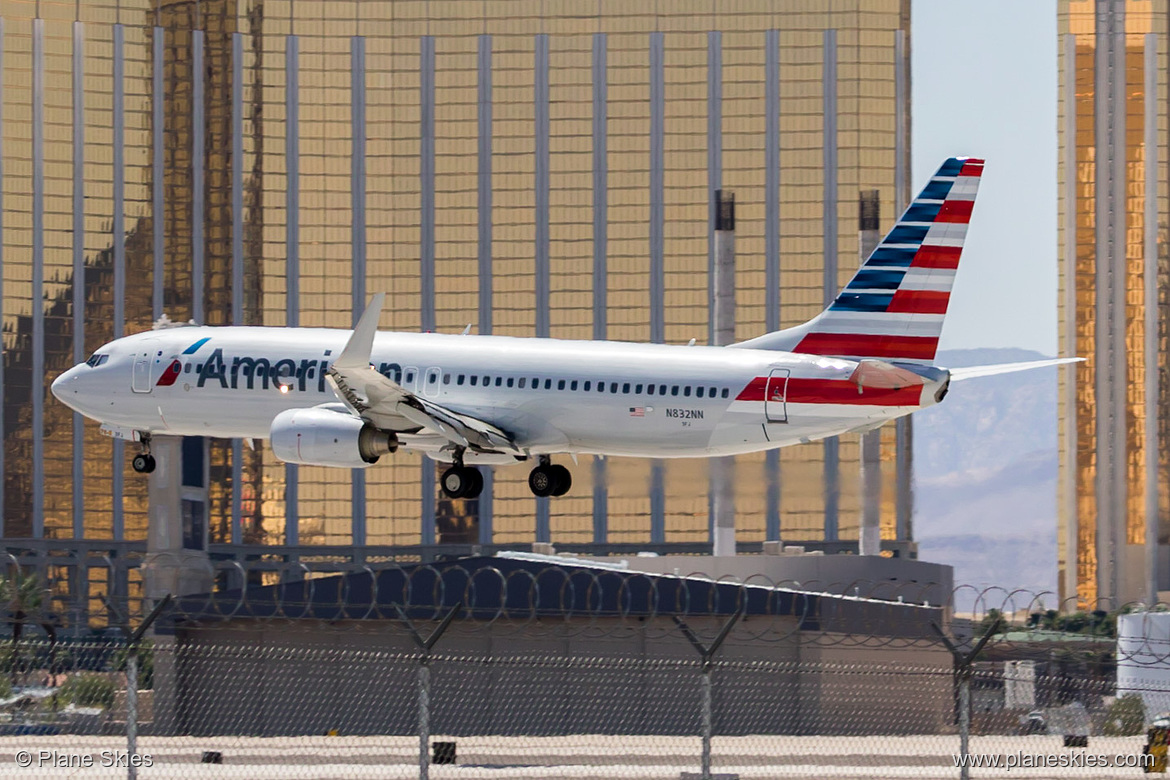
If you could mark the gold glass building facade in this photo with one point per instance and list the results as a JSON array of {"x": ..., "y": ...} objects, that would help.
[
  {"x": 257, "y": 224},
  {"x": 1115, "y": 287}
]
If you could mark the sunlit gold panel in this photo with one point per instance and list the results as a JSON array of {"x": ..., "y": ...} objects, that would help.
[
  {"x": 866, "y": 120},
  {"x": 1078, "y": 17}
]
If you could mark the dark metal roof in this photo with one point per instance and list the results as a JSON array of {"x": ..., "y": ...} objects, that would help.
[{"x": 523, "y": 587}]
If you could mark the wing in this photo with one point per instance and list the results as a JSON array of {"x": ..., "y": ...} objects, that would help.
[{"x": 388, "y": 405}]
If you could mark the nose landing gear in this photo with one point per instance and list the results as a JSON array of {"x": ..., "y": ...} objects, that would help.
[
  {"x": 143, "y": 462},
  {"x": 549, "y": 479}
]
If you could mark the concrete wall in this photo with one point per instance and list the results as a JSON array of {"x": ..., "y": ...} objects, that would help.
[{"x": 545, "y": 678}]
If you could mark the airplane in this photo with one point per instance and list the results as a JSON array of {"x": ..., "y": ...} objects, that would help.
[{"x": 333, "y": 397}]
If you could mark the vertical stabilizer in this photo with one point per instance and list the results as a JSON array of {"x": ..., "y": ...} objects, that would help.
[{"x": 894, "y": 306}]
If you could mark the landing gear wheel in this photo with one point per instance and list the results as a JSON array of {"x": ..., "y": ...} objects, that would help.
[
  {"x": 462, "y": 482},
  {"x": 550, "y": 480},
  {"x": 563, "y": 478},
  {"x": 475, "y": 483},
  {"x": 143, "y": 463},
  {"x": 541, "y": 481}
]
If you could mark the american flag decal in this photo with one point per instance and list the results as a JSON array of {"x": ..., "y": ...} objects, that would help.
[{"x": 637, "y": 411}]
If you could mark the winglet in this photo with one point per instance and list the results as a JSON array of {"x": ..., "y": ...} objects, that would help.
[{"x": 357, "y": 350}]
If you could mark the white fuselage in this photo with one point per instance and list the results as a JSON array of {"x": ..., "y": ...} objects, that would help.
[{"x": 551, "y": 396}]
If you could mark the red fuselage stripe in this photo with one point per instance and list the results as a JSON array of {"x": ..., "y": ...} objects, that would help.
[{"x": 831, "y": 391}]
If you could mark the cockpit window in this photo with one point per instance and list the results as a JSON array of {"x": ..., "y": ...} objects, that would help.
[{"x": 96, "y": 360}]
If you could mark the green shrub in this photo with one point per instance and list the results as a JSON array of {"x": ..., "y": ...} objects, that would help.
[
  {"x": 1126, "y": 717},
  {"x": 88, "y": 690},
  {"x": 145, "y": 664}
]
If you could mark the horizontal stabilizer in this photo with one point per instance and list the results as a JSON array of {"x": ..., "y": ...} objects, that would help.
[{"x": 974, "y": 372}]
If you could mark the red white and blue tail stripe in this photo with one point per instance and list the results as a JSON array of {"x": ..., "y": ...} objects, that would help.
[{"x": 893, "y": 307}]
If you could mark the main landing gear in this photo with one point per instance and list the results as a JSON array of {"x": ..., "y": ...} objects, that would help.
[
  {"x": 549, "y": 479},
  {"x": 143, "y": 462}
]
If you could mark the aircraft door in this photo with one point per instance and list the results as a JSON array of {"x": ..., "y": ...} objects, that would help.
[
  {"x": 776, "y": 396},
  {"x": 431, "y": 381},
  {"x": 144, "y": 358}
]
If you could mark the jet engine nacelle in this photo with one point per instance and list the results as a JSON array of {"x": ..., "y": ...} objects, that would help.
[{"x": 324, "y": 437}]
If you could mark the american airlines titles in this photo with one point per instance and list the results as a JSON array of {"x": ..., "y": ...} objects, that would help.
[{"x": 248, "y": 372}]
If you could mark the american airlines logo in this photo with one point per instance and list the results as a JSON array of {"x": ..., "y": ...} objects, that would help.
[{"x": 251, "y": 373}]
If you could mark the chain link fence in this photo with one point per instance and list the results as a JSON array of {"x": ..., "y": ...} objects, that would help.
[{"x": 667, "y": 693}]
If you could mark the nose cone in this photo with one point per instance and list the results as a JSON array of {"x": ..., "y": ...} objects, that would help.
[{"x": 65, "y": 388}]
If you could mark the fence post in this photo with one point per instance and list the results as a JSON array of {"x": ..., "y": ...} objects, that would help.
[
  {"x": 132, "y": 710},
  {"x": 965, "y": 670},
  {"x": 132, "y": 640},
  {"x": 424, "y": 682},
  {"x": 964, "y": 721},
  {"x": 707, "y": 654},
  {"x": 424, "y": 717},
  {"x": 705, "y": 761}
]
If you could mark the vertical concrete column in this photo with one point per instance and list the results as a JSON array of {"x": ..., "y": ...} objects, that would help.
[
  {"x": 158, "y": 148},
  {"x": 198, "y": 182},
  {"x": 357, "y": 190},
  {"x": 657, "y": 260},
  {"x": 1150, "y": 281},
  {"x": 723, "y": 469},
  {"x": 485, "y": 246},
  {"x": 714, "y": 163},
  {"x": 164, "y": 700},
  {"x": 426, "y": 175},
  {"x": 237, "y": 531},
  {"x": 540, "y": 110},
  {"x": 37, "y": 389},
  {"x": 600, "y": 256},
  {"x": 168, "y": 567},
  {"x": 772, "y": 476},
  {"x": 1110, "y": 349},
  {"x": 903, "y": 426},
  {"x": 292, "y": 273},
  {"x": 78, "y": 268},
  {"x": 832, "y": 476},
  {"x": 3, "y": 386},
  {"x": 870, "y": 535},
  {"x": 720, "y": 480},
  {"x": 119, "y": 241}
]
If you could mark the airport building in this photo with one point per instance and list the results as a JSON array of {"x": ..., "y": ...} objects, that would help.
[
  {"x": 528, "y": 169},
  {"x": 1114, "y": 288}
]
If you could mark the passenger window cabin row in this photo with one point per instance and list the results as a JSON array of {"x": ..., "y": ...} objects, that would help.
[{"x": 585, "y": 386}]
